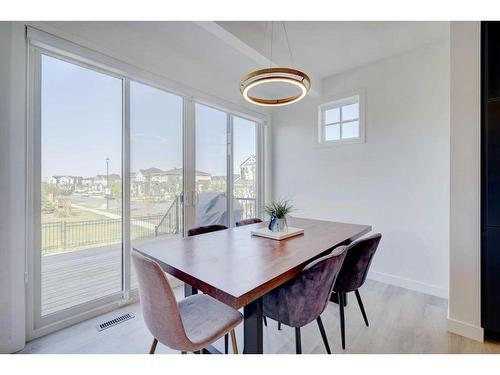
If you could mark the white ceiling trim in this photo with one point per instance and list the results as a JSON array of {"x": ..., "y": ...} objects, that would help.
[{"x": 236, "y": 43}]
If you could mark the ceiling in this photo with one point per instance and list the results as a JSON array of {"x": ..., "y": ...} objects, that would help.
[
  {"x": 328, "y": 48},
  {"x": 214, "y": 56}
]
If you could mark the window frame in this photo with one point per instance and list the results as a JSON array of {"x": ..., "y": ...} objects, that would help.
[
  {"x": 338, "y": 102},
  {"x": 39, "y": 42},
  {"x": 38, "y": 325}
]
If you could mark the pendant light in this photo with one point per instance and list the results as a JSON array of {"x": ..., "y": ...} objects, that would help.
[{"x": 269, "y": 76}]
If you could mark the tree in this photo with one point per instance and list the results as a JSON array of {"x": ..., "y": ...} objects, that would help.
[
  {"x": 51, "y": 191},
  {"x": 116, "y": 191}
]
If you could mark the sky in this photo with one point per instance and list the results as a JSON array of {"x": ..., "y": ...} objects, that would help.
[{"x": 81, "y": 113}]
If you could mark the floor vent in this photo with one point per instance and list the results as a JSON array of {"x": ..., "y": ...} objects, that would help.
[{"x": 114, "y": 322}]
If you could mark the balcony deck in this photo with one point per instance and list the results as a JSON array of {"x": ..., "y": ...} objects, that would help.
[{"x": 72, "y": 278}]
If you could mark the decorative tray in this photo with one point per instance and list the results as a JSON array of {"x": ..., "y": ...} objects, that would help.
[{"x": 265, "y": 232}]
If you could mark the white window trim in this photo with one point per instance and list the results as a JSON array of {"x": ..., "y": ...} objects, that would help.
[{"x": 339, "y": 101}]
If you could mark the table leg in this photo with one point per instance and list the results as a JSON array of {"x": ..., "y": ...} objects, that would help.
[
  {"x": 335, "y": 298},
  {"x": 252, "y": 328}
]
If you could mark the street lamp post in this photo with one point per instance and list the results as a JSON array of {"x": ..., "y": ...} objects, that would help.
[{"x": 107, "y": 184}]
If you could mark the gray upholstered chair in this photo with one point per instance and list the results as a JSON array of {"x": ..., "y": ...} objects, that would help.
[
  {"x": 353, "y": 275},
  {"x": 304, "y": 298},
  {"x": 253, "y": 220},
  {"x": 189, "y": 325}
]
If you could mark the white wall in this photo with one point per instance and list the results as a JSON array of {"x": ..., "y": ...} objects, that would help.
[
  {"x": 398, "y": 181},
  {"x": 465, "y": 209},
  {"x": 12, "y": 182}
]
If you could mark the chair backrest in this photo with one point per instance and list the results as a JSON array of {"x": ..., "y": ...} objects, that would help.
[
  {"x": 253, "y": 220},
  {"x": 158, "y": 303},
  {"x": 356, "y": 264},
  {"x": 303, "y": 299},
  {"x": 205, "y": 229}
]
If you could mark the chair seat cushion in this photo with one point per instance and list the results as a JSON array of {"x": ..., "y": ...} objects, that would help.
[{"x": 205, "y": 319}]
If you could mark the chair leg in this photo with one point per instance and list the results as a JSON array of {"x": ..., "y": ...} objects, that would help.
[
  {"x": 342, "y": 320},
  {"x": 279, "y": 326},
  {"x": 265, "y": 320},
  {"x": 153, "y": 347},
  {"x": 183, "y": 352},
  {"x": 226, "y": 343},
  {"x": 298, "y": 345},
  {"x": 360, "y": 303},
  {"x": 323, "y": 334},
  {"x": 233, "y": 342}
]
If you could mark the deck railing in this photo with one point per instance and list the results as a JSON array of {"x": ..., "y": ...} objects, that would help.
[
  {"x": 171, "y": 219},
  {"x": 64, "y": 235},
  {"x": 249, "y": 207}
]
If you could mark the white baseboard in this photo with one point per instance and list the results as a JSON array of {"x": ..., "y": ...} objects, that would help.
[
  {"x": 465, "y": 329},
  {"x": 454, "y": 326},
  {"x": 409, "y": 284}
]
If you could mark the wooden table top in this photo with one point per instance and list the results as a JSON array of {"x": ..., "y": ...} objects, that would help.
[{"x": 236, "y": 268}]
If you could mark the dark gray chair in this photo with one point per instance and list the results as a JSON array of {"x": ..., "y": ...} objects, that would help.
[
  {"x": 253, "y": 220},
  {"x": 206, "y": 229},
  {"x": 304, "y": 298},
  {"x": 353, "y": 275}
]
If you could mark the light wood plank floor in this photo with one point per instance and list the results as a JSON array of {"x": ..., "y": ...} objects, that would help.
[{"x": 401, "y": 321}]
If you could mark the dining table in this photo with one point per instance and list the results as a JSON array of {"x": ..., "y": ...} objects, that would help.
[{"x": 238, "y": 268}]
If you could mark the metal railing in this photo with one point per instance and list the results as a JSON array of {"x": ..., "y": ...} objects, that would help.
[
  {"x": 172, "y": 217},
  {"x": 248, "y": 207},
  {"x": 63, "y": 235}
]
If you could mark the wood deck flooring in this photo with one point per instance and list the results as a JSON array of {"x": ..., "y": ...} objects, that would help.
[{"x": 80, "y": 276}]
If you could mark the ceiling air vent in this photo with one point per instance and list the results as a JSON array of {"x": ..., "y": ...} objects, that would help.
[{"x": 114, "y": 322}]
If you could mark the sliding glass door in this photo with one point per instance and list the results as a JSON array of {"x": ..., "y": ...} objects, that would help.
[
  {"x": 115, "y": 164},
  {"x": 211, "y": 166},
  {"x": 226, "y": 167},
  {"x": 245, "y": 134},
  {"x": 80, "y": 187},
  {"x": 156, "y": 165}
]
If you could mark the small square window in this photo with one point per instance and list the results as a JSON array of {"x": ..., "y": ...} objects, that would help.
[
  {"x": 332, "y": 116},
  {"x": 350, "y": 129},
  {"x": 332, "y": 132},
  {"x": 341, "y": 121},
  {"x": 350, "y": 112}
]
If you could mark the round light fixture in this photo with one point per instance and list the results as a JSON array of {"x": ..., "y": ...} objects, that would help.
[{"x": 274, "y": 75}]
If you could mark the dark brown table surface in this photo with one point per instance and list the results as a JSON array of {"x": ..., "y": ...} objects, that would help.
[{"x": 238, "y": 269}]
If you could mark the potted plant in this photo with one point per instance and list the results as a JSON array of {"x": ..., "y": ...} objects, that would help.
[{"x": 279, "y": 210}]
